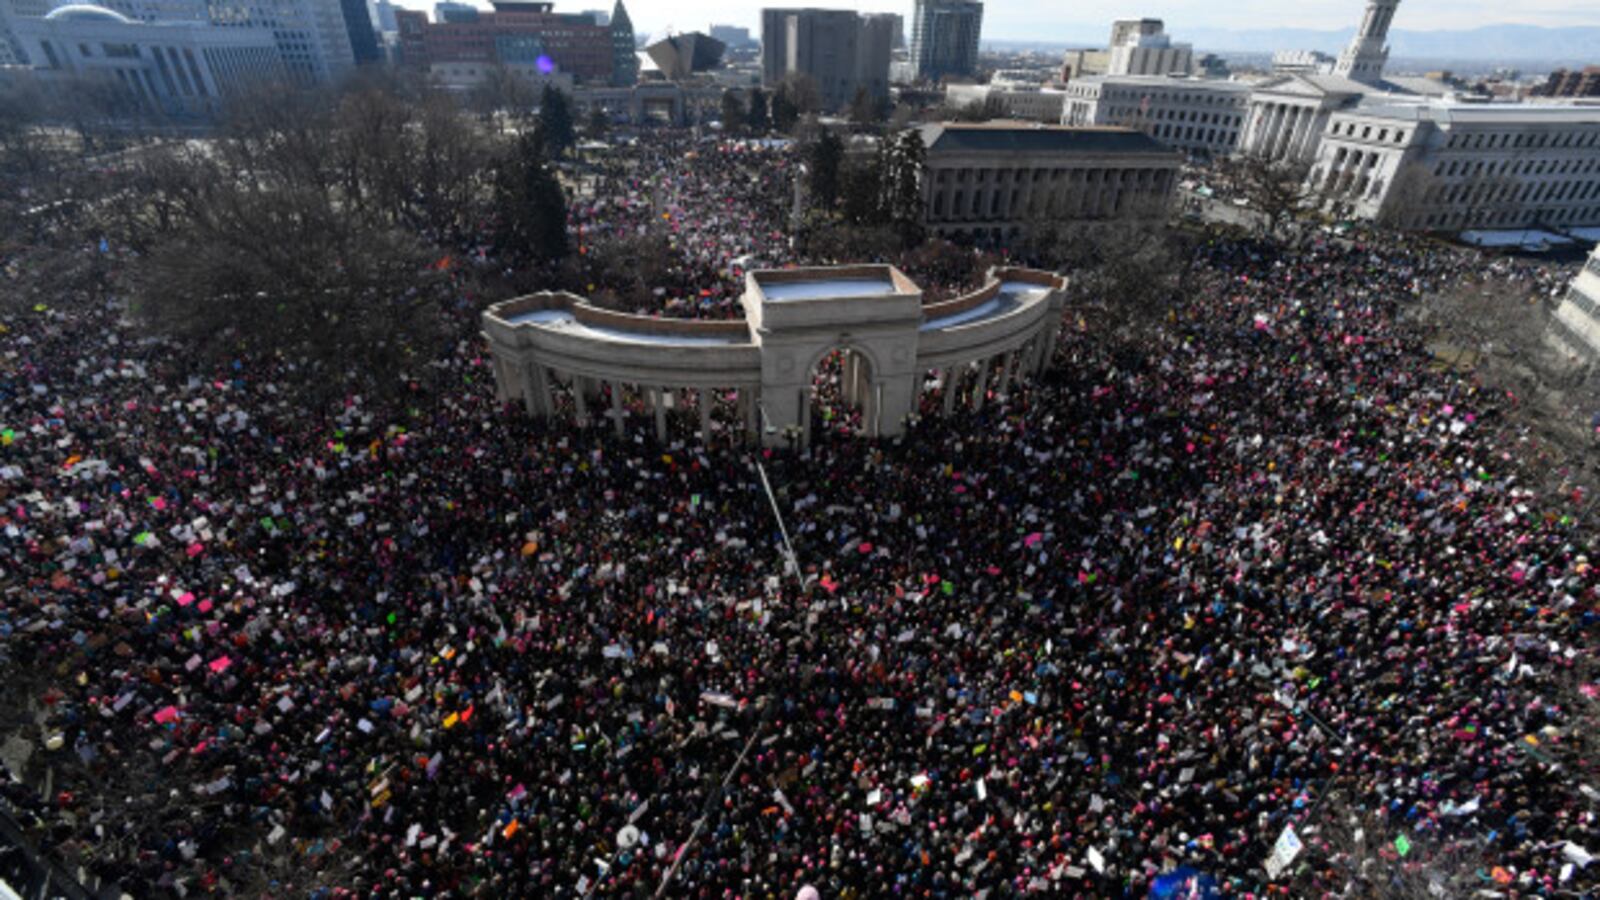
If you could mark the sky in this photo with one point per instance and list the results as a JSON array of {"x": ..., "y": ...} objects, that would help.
[{"x": 1090, "y": 20}]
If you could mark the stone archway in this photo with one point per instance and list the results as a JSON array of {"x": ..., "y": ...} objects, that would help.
[{"x": 845, "y": 393}]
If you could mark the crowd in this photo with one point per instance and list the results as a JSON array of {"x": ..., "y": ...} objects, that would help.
[
  {"x": 722, "y": 206},
  {"x": 1266, "y": 568}
]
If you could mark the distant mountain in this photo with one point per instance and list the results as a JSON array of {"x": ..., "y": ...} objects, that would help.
[
  {"x": 1491, "y": 42},
  {"x": 1527, "y": 44}
]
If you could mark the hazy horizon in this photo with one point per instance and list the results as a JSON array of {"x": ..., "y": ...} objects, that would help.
[{"x": 1017, "y": 20}]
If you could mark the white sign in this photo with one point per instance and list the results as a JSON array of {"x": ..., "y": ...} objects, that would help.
[{"x": 1283, "y": 852}]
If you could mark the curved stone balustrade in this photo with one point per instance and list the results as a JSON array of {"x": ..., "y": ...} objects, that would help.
[{"x": 544, "y": 343}]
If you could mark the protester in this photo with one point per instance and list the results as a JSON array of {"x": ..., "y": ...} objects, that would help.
[{"x": 1132, "y": 619}]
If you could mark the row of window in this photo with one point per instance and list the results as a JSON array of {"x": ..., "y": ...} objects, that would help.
[
  {"x": 1344, "y": 128},
  {"x": 1546, "y": 192},
  {"x": 1450, "y": 168},
  {"x": 1506, "y": 218},
  {"x": 1035, "y": 176},
  {"x": 1191, "y": 134},
  {"x": 1587, "y": 138},
  {"x": 1583, "y": 302},
  {"x": 1001, "y": 205},
  {"x": 1190, "y": 98}
]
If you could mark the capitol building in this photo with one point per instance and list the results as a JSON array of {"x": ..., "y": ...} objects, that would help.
[{"x": 1406, "y": 151}]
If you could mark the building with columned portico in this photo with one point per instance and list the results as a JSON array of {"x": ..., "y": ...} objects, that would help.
[
  {"x": 560, "y": 355},
  {"x": 1408, "y": 151}
]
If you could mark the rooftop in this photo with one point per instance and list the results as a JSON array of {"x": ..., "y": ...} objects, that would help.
[{"x": 1010, "y": 138}]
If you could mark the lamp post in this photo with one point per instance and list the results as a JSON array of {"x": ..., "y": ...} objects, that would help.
[{"x": 799, "y": 200}]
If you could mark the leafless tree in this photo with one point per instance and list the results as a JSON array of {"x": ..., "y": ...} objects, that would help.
[
  {"x": 1280, "y": 189},
  {"x": 1130, "y": 269},
  {"x": 1351, "y": 852},
  {"x": 362, "y": 194}
]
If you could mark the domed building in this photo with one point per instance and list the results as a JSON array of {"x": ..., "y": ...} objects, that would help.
[{"x": 184, "y": 68}]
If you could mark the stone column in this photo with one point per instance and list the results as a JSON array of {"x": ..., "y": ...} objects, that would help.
[
  {"x": 537, "y": 391},
  {"x": 952, "y": 377},
  {"x": 869, "y": 409},
  {"x": 980, "y": 384},
  {"x": 658, "y": 402},
  {"x": 1302, "y": 135},
  {"x": 579, "y": 401},
  {"x": 1005, "y": 373},
  {"x": 750, "y": 412},
  {"x": 707, "y": 397}
]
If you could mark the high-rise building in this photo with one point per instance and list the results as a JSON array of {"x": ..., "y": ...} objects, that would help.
[
  {"x": 1142, "y": 47},
  {"x": 944, "y": 38},
  {"x": 1364, "y": 58},
  {"x": 363, "y": 39},
  {"x": 624, "y": 51},
  {"x": 455, "y": 13},
  {"x": 384, "y": 13},
  {"x": 839, "y": 50},
  {"x": 526, "y": 36}
]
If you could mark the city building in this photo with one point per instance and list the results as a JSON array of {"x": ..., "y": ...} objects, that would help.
[
  {"x": 995, "y": 181},
  {"x": 1138, "y": 47},
  {"x": 1147, "y": 50},
  {"x": 314, "y": 37},
  {"x": 1123, "y": 30},
  {"x": 944, "y": 38},
  {"x": 1202, "y": 118},
  {"x": 364, "y": 48},
  {"x": 734, "y": 38},
  {"x": 679, "y": 56},
  {"x": 897, "y": 23},
  {"x": 177, "y": 68},
  {"x": 526, "y": 37},
  {"x": 1363, "y": 60},
  {"x": 545, "y": 345},
  {"x": 1016, "y": 100},
  {"x": 624, "y": 49},
  {"x": 454, "y": 13},
  {"x": 1453, "y": 166},
  {"x": 1302, "y": 62},
  {"x": 840, "y": 51},
  {"x": 1563, "y": 83},
  {"x": 597, "y": 16},
  {"x": 1575, "y": 327},
  {"x": 384, "y": 12},
  {"x": 1289, "y": 114},
  {"x": 1083, "y": 63}
]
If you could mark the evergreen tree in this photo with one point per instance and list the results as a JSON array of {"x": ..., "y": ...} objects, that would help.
[
  {"x": 530, "y": 206},
  {"x": 555, "y": 121},
  {"x": 860, "y": 190},
  {"x": 825, "y": 157},
  {"x": 863, "y": 110},
  {"x": 757, "y": 118},
  {"x": 784, "y": 111},
  {"x": 901, "y": 189},
  {"x": 732, "y": 112}
]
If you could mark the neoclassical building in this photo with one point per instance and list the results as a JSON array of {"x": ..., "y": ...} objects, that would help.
[
  {"x": 1406, "y": 150},
  {"x": 560, "y": 355},
  {"x": 997, "y": 180}
]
